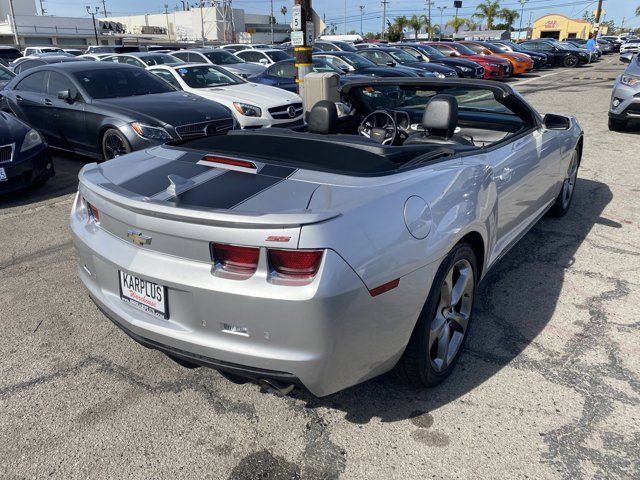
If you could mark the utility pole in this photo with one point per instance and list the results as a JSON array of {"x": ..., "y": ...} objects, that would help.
[
  {"x": 14, "y": 26},
  {"x": 361, "y": 14},
  {"x": 442, "y": 9},
  {"x": 622, "y": 26},
  {"x": 104, "y": 8},
  {"x": 384, "y": 18},
  {"x": 345, "y": 17},
  {"x": 429, "y": 3},
  {"x": 522, "y": 2},
  {"x": 166, "y": 14},
  {"x": 526, "y": 37},
  {"x": 42, "y": 10},
  {"x": 93, "y": 17},
  {"x": 597, "y": 20},
  {"x": 202, "y": 20},
  {"x": 271, "y": 22},
  {"x": 302, "y": 53}
]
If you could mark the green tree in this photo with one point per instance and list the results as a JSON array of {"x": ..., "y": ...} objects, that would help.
[
  {"x": 488, "y": 11},
  {"x": 457, "y": 23},
  {"x": 638, "y": 11},
  {"x": 395, "y": 31},
  {"x": 470, "y": 24},
  {"x": 509, "y": 17},
  {"x": 415, "y": 23}
]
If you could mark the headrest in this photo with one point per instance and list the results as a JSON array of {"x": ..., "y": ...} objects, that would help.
[
  {"x": 440, "y": 117},
  {"x": 323, "y": 117}
]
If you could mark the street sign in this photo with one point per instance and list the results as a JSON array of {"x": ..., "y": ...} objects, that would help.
[
  {"x": 297, "y": 38},
  {"x": 296, "y": 18},
  {"x": 310, "y": 33}
]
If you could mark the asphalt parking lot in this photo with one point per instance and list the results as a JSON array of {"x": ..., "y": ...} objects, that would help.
[{"x": 548, "y": 387}]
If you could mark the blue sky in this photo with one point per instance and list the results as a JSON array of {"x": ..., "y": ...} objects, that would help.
[{"x": 372, "y": 18}]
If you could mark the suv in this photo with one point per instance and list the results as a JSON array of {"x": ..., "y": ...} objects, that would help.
[
  {"x": 9, "y": 54},
  {"x": 625, "y": 98}
]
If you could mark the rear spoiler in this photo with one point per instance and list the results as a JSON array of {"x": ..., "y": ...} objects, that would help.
[{"x": 94, "y": 184}]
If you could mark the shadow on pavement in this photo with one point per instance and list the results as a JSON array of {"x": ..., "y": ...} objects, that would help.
[
  {"x": 64, "y": 182},
  {"x": 515, "y": 303}
]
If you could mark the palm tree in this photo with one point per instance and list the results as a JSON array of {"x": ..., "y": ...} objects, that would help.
[
  {"x": 456, "y": 23},
  {"x": 509, "y": 17},
  {"x": 638, "y": 11},
  {"x": 401, "y": 23},
  {"x": 283, "y": 10},
  {"x": 415, "y": 24},
  {"x": 471, "y": 25},
  {"x": 488, "y": 11},
  {"x": 430, "y": 29}
]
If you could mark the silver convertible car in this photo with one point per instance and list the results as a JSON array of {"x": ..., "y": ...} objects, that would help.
[{"x": 325, "y": 256}]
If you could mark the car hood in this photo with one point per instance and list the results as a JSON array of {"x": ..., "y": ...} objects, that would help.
[
  {"x": 171, "y": 108},
  {"x": 252, "y": 93},
  {"x": 430, "y": 66},
  {"x": 11, "y": 130},
  {"x": 488, "y": 58},
  {"x": 455, "y": 62},
  {"x": 245, "y": 68}
]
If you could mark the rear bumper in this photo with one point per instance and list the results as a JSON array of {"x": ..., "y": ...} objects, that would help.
[{"x": 327, "y": 336}]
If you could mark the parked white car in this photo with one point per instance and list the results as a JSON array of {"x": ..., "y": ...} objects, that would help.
[
  {"x": 263, "y": 57},
  {"x": 39, "y": 50},
  {"x": 630, "y": 46},
  {"x": 95, "y": 56},
  {"x": 143, "y": 59},
  {"x": 236, "y": 47},
  {"x": 253, "y": 105}
]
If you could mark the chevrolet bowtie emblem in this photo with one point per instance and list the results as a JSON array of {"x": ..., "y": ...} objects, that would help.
[{"x": 138, "y": 238}]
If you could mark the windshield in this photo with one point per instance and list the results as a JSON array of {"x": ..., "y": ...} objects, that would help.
[
  {"x": 356, "y": 60},
  {"x": 463, "y": 49},
  {"x": 402, "y": 56},
  {"x": 120, "y": 82},
  {"x": 416, "y": 97},
  {"x": 278, "y": 55},
  {"x": 222, "y": 57},
  {"x": 51, "y": 50},
  {"x": 207, "y": 76},
  {"x": 160, "y": 59},
  {"x": 344, "y": 46},
  {"x": 431, "y": 52},
  {"x": 495, "y": 48},
  {"x": 320, "y": 65},
  {"x": 477, "y": 48},
  {"x": 568, "y": 46}
]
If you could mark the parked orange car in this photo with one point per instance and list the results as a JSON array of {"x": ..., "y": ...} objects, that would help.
[{"x": 520, "y": 62}]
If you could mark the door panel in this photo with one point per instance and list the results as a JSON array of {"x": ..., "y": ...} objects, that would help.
[
  {"x": 68, "y": 129},
  {"x": 29, "y": 101}
]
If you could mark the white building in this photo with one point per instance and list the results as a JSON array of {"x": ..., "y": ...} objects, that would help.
[{"x": 219, "y": 24}]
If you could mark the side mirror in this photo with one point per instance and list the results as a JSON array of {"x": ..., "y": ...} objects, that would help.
[
  {"x": 552, "y": 121},
  {"x": 391, "y": 64},
  {"x": 263, "y": 61},
  {"x": 66, "y": 95},
  {"x": 625, "y": 58}
]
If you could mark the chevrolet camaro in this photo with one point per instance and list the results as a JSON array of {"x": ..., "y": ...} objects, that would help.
[{"x": 325, "y": 255}]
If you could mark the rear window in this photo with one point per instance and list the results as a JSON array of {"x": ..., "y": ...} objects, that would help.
[{"x": 117, "y": 83}]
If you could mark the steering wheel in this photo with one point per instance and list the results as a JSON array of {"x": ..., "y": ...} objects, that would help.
[{"x": 379, "y": 126}]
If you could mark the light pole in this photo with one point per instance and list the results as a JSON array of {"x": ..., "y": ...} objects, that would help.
[
  {"x": 361, "y": 13},
  {"x": 442, "y": 9},
  {"x": 384, "y": 17},
  {"x": 93, "y": 17},
  {"x": 271, "y": 22},
  {"x": 345, "y": 17},
  {"x": 522, "y": 2},
  {"x": 429, "y": 3},
  {"x": 202, "y": 20}
]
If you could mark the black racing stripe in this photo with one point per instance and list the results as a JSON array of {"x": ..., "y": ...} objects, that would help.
[
  {"x": 226, "y": 190},
  {"x": 156, "y": 180},
  {"x": 277, "y": 171}
]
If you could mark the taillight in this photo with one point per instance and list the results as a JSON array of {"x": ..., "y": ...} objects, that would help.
[
  {"x": 94, "y": 214},
  {"x": 295, "y": 263},
  {"x": 236, "y": 258}
]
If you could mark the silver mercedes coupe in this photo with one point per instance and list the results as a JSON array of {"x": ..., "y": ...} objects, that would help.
[{"x": 324, "y": 256}]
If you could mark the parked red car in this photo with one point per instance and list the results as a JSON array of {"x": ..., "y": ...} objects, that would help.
[{"x": 494, "y": 66}]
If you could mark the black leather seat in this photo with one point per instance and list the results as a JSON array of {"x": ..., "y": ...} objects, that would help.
[
  {"x": 439, "y": 121},
  {"x": 323, "y": 118}
]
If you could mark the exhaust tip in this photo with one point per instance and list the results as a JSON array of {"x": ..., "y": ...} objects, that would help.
[{"x": 276, "y": 387}]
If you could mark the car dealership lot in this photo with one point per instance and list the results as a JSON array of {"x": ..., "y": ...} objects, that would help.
[{"x": 549, "y": 385}]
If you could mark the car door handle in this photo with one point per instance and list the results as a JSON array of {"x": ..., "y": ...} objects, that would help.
[
  {"x": 18, "y": 98},
  {"x": 505, "y": 175},
  {"x": 47, "y": 102}
]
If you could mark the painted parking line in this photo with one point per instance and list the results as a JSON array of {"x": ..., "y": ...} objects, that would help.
[{"x": 594, "y": 78}]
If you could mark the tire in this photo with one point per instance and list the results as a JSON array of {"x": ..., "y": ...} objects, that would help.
[
  {"x": 616, "y": 125},
  {"x": 570, "y": 61},
  {"x": 563, "y": 201},
  {"x": 427, "y": 360},
  {"x": 114, "y": 144}
]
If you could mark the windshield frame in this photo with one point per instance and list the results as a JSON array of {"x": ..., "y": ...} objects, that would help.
[
  {"x": 222, "y": 52},
  {"x": 235, "y": 79},
  {"x": 77, "y": 76}
]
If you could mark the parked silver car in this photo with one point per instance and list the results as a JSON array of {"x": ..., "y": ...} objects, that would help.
[
  {"x": 625, "y": 97},
  {"x": 325, "y": 257},
  {"x": 222, "y": 58}
]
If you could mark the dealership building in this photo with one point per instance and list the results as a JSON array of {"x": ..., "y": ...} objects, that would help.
[{"x": 560, "y": 27}]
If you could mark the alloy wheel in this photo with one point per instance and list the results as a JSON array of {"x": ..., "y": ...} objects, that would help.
[
  {"x": 571, "y": 61},
  {"x": 449, "y": 326},
  {"x": 570, "y": 181},
  {"x": 114, "y": 146}
]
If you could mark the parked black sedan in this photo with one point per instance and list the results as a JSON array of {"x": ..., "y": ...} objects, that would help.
[
  {"x": 540, "y": 59},
  {"x": 105, "y": 110},
  {"x": 426, "y": 53},
  {"x": 392, "y": 57},
  {"x": 355, "y": 63},
  {"x": 24, "y": 157},
  {"x": 562, "y": 56}
]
